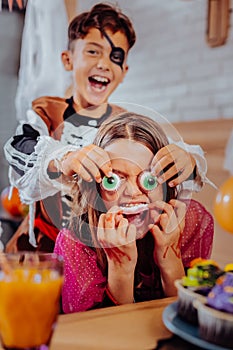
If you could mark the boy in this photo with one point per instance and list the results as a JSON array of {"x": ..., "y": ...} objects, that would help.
[{"x": 55, "y": 142}]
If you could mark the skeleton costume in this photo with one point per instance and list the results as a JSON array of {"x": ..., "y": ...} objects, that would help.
[{"x": 51, "y": 129}]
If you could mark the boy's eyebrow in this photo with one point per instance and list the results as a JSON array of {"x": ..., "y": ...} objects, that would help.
[{"x": 94, "y": 43}]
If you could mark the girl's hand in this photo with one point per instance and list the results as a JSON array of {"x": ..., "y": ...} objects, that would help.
[
  {"x": 183, "y": 164},
  {"x": 88, "y": 162},
  {"x": 167, "y": 230},
  {"x": 167, "y": 233},
  {"x": 118, "y": 239}
]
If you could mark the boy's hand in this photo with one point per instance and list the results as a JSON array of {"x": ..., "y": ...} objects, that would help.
[
  {"x": 88, "y": 163},
  {"x": 182, "y": 168}
]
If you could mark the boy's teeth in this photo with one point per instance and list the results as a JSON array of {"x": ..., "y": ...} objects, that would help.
[{"x": 100, "y": 79}]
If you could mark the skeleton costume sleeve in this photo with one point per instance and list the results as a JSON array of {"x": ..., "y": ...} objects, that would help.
[{"x": 29, "y": 153}]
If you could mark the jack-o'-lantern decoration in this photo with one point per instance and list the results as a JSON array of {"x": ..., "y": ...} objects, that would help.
[{"x": 11, "y": 202}]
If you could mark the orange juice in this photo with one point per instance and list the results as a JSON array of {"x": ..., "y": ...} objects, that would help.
[{"x": 29, "y": 305}]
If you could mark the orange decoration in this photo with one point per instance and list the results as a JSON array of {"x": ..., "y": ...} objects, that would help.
[
  {"x": 223, "y": 205},
  {"x": 13, "y": 205}
]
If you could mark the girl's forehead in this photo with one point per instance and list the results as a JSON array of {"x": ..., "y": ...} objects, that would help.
[{"x": 129, "y": 152}]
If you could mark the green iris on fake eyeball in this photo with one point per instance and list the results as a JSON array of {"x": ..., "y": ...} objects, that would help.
[
  {"x": 147, "y": 181},
  {"x": 111, "y": 183}
]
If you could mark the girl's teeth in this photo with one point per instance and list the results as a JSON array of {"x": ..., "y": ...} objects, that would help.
[{"x": 132, "y": 208}]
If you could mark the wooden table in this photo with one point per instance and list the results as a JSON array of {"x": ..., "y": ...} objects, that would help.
[{"x": 130, "y": 327}]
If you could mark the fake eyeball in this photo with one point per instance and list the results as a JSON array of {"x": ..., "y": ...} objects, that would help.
[
  {"x": 147, "y": 181},
  {"x": 111, "y": 183}
]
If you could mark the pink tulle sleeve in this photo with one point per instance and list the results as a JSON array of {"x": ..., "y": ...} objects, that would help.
[
  {"x": 197, "y": 238},
  {"x": 84, "y": 283}
]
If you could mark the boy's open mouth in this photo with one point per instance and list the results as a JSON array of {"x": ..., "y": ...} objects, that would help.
[
  {"x": 98, "y": 82},
  {"x": 135, "y": 213}
]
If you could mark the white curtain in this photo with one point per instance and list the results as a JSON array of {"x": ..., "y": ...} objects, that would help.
[{"x": 44, "y": 38}]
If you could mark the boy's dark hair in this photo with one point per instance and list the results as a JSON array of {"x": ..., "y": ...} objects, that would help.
[{"x": 101, "y": 16}]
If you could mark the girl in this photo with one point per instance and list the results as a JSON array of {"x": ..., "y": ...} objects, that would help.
[{"x": 130, "y": 237}]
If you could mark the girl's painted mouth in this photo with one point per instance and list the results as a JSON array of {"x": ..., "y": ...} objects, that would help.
[
  {"x": 135, "y": 213},
  {"x": 133, "y": 208}
]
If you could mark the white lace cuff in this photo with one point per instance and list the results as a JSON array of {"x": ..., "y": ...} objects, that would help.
[{"x": 35, "y": 184}]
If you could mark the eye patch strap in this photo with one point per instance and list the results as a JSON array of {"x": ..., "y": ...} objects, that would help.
[{"x": 116, "y": 52}]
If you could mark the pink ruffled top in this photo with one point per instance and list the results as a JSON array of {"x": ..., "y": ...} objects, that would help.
[{"x": 84, "y": 281}]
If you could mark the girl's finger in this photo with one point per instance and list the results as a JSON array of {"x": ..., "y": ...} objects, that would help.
[
  {"x": 157, "y": 208},
  {"x": 154, "y": 216},
  {"x": 168, "y": 223},
  {"x": 101, "y": 236},
  {"x": 117, "y": 212},
  {"x": 122, "y": 229},
  {"x": 106, "y": 231},
  {"x": 156, "y": 232},
  {"x": 180, "y": 209},
  {"x": 168, "y": 219},
  {"x": 131, "y": 233},
  {"x": 164, "y": 207}
]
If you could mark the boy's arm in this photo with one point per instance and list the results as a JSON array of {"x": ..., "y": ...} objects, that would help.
[
  {"x": 42, "y": 166},
  {"x": 26, "y": 152}
]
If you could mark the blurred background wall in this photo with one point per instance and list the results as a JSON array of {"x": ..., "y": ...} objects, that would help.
[
  {"x": 172, "y": 68},
  {"x": 11, "y": 27}
]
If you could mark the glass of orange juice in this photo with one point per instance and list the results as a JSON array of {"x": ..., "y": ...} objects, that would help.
[{"x": 30, "y": 290}]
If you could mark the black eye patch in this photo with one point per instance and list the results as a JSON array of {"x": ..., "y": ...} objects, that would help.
[{"x": 117, "y": 55}]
